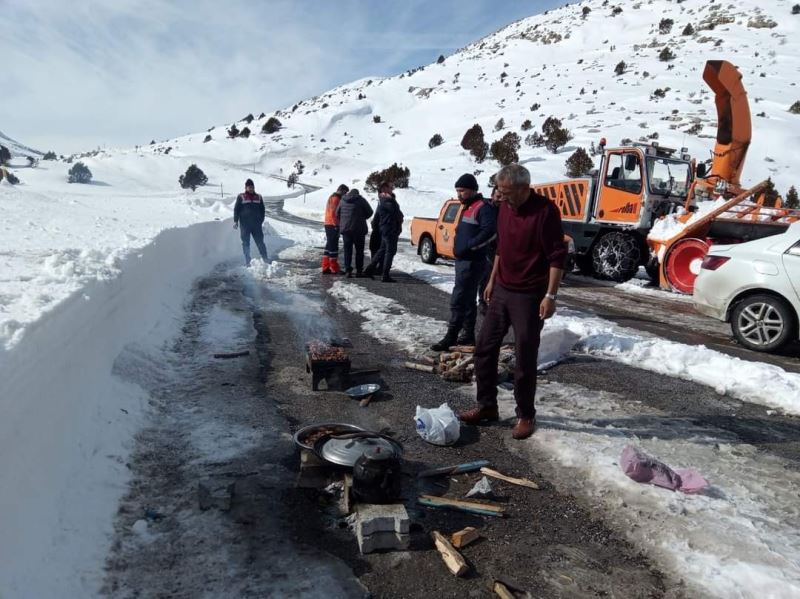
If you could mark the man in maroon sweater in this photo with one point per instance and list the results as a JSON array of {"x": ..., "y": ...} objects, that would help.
[{"x": 521, "y": 293}]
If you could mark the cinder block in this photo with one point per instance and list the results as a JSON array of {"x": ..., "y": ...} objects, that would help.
[
  {"x": 383, "y": 541},
  {"x": 375, "y": 518}
]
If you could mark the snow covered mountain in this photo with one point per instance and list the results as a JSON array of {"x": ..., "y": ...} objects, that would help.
[{"x": 18, "y": 149}]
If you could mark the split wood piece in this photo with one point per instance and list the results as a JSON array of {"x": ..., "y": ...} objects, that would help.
[
  {"x": 229, "y": 355},
  {"x": 502, "y": 590},
  {"x": 447, "y": 357},
  {"x": 473, "y": 507},
  {"x": 466, "y": 349},
  {"x": 464, "y": 537},
  {"x": 456, "y": 469},
  {"x": 454, "y": 561},
  {"x": 429, "y": 360},
  {"x": 522, "y": 482},
  {"x": 365, "y": 402},
  {"x": 346, "y": 488},
  {"x": 422, "y": 367}
]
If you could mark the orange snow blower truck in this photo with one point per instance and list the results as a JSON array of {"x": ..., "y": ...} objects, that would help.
[{"x": 610, "y": 213}]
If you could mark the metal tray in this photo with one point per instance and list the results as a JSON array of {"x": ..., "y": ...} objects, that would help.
[{"x": 361, "y": 391}]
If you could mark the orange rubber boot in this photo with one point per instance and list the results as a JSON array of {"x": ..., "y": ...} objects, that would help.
[
  {"x": 326, "y": 265},
  {"x": 335, "y": 268}
]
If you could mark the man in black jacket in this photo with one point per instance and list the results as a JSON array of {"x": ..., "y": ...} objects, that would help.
[
  {"x": 390, "y": 223},
  {"x": 353, "y": 212},
  {"x": 248, "y": 217},
  {"x": 476, "y": 230}
]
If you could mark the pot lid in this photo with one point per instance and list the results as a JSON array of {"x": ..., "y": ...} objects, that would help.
[{"x": 345, "y": 452}]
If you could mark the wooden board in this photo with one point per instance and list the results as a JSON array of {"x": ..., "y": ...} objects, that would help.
[
  {"x": 474, "y": 507},
  {"x": 522, "y": 482},
  {"x": 454, "y": 561}
]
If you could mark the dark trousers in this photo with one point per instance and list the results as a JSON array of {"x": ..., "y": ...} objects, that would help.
[
  {"x": 350, "y": 240},
  {"x": 331, "y": 242},
  {"x": 520, "y": 311},
  {"x": 374, "y": 246},
  {"x": 487, "y": 273},
  {"x": 463, "y": 309},
  {"x": 245, "y": 231},
  {"x": 385, "y": 254}
]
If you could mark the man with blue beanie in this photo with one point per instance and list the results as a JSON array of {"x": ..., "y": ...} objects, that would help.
[{"x": 475, "y": 231}]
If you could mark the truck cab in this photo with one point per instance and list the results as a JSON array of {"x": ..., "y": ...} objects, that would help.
[
  {"x": 609, "y": 213},
  {"x": 435, "y": 237}
]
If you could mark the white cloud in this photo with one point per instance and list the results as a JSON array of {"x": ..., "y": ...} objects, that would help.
[{"x": 90, "y": 73}]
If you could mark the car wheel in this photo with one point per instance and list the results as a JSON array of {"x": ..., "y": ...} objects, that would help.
[
  {"x": 426, "y": 251},
  {"x": 616, "y": 257},
  {"x": 762, "y": 322}
]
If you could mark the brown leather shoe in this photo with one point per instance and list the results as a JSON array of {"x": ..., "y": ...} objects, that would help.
[
  {"x": 523, "y": 428},
  {"x": 478, "y": 415}
]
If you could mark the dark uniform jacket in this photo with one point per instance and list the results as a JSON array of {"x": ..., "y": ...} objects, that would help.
[
  {"x": 353, "y": 212},
  {"x": 476, "y": 230},
  {"x": 249, "y": 209},
  {"x": 389, "y": 216}
]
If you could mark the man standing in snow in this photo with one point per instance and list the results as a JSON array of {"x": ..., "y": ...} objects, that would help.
[
  {"x": 353, "y": 212},
  {"x": 248, "y": 217},
  {"x": 389, "y": 219},
  {"x": 521, "y": 293},
  {"x": 330, "y": 258},
  {"x": 476, "y": 229}
]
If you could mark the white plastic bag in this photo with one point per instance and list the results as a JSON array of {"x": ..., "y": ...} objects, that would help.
[{"x": 439, "y": 426}]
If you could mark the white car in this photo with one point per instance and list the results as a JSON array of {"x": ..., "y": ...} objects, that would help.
[{"x": 756, "y": 287}]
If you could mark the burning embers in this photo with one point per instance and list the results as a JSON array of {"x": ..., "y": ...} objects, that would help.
[
  {"x": 329, "y": 361},
  {"x": 319, "y": 351}
]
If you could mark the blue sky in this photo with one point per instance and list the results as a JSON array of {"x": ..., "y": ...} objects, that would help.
[{"x": 83, "y": 74}]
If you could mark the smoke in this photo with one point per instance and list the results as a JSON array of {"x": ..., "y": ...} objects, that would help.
[{"x": 278, "y": 289}]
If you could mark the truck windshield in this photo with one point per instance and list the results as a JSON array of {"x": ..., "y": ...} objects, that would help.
[{"x": 667, "y": 177}]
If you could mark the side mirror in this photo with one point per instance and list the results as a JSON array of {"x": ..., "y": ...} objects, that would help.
[
  {"x": 700, "y": 171},
  {"x": 631, "y": 162}
]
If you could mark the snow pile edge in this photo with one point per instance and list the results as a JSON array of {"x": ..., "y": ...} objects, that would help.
[{"x": 68, "y": 422}]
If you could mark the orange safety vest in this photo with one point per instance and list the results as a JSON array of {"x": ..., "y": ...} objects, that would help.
[{"x": 330, "y": 210}]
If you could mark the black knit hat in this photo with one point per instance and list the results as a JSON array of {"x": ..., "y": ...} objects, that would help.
[
  {"x": 342, "y": 188},
  {"x": 249, "y": 183},
  {"x": 467, "y": 181}
]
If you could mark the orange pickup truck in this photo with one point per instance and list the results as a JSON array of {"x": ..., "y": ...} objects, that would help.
[{"x": 434, "y": 237}]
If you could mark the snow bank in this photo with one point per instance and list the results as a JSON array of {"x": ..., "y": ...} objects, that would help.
[
  {"x": 68, "y": 422},
  {"x": 740, "y": 538},
  {"x": 754, "y": 382}
]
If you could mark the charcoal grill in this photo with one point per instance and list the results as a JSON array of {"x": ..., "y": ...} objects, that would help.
[{"x": 327, "y": 362}]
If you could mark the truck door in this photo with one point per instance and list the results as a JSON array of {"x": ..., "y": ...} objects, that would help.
[
  {"x": 446, "y": 229},
  {"x": 621, "y": 188}
]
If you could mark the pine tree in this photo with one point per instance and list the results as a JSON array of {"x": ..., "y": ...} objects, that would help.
[
  {"x": 271, "y": 126},
  {"x": 192, "y": 178},
  {"x": 792, "y": 200},
  {"x": 579, "y": 163},
  {"x": 79, "y": 173}
]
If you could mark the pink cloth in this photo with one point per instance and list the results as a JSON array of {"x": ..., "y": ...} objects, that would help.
[{"x": 643, "y": 468}]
